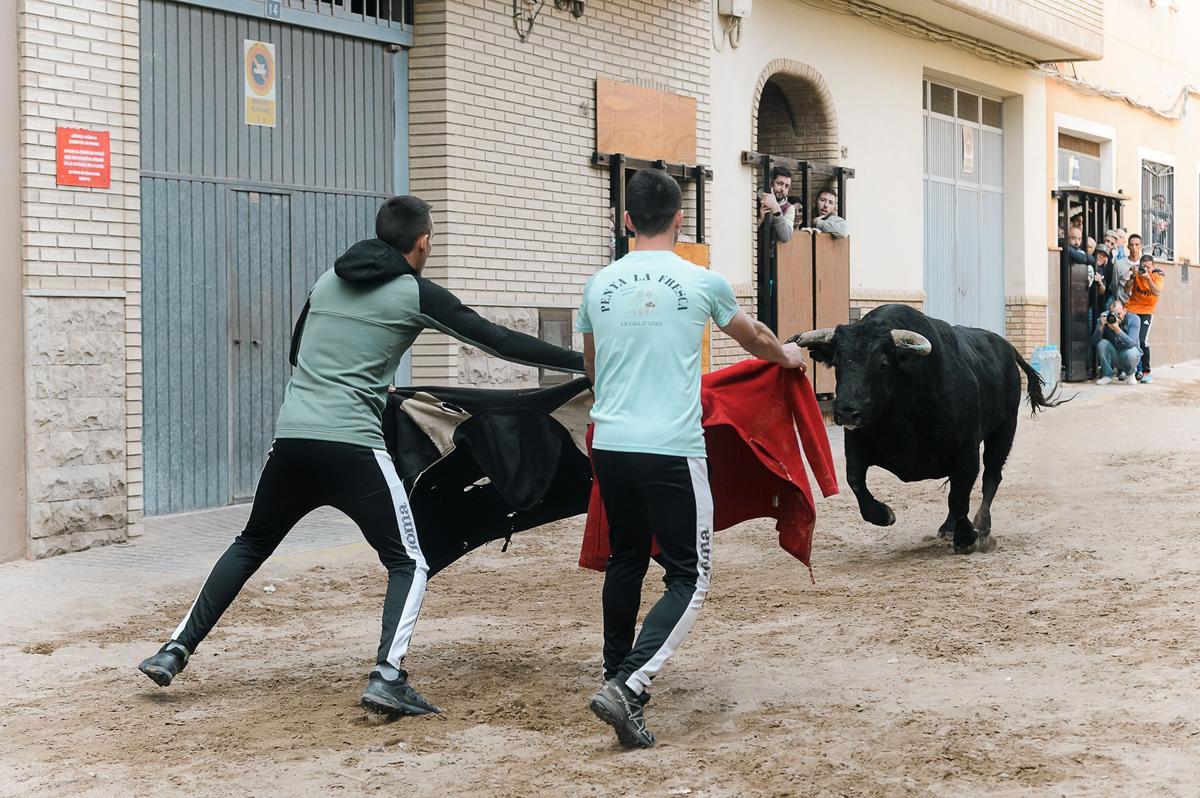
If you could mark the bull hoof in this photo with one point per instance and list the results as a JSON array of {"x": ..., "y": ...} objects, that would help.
[
  {"x": 965, "y": 538},
  {"x": 879, "y": 515},
  {"x": 985, "y": 544}
]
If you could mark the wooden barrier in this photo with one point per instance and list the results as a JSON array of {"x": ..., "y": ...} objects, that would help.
[{"x": 813, "y": 291}]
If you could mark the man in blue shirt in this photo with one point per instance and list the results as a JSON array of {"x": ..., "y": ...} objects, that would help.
[
  {"x": 1116, "y": 342},
  {"x": 643, "y": 319}
]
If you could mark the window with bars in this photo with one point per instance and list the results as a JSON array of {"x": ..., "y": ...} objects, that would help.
[
  {"x": 377, "y": 12},
  {"x": 1158, "y": 210}
]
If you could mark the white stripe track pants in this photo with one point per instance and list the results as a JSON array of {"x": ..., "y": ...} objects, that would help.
[
  {"x": 300, "y": 476},
  {"x": 667, "y": 499}
]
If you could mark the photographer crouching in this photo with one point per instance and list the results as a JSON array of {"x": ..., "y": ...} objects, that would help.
[
  {"x": 1144, "y": 288},
  {"x": 1116, "y": 342}
]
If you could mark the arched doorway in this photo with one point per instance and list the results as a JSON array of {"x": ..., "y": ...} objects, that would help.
[
  {"x": 794, "y": 115},
  {"x": 793, "y": 119}
]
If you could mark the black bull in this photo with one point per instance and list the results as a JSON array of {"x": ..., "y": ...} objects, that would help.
[{"x": 917, "y": 397}]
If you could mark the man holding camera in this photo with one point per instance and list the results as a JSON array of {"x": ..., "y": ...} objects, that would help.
[
  {"x": 1125, "y": 268},
  {"x": 1144, "y": 288},
  {"x": 774, "y": 204},
  {"x": 1098, "y": 287},
  {"x": 1116, "y": 342}
]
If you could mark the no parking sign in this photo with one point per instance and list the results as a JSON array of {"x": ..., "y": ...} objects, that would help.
[{"x": 259, "y": 71}]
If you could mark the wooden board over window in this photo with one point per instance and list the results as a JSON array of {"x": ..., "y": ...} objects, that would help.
[
  {"x": 1076, "y": 144},
  {"x": 645, "y": 123}
]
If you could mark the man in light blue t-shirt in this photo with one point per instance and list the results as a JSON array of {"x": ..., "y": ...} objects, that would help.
[{"x": 643, "y": 319}]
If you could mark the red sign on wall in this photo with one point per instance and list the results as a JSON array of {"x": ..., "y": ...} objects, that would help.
[{"x": 84, "y": 158}]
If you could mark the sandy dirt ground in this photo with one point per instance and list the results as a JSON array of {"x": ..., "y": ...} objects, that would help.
[{"x": 1065, "y": 662}]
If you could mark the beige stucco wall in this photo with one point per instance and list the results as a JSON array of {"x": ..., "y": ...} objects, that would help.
[
  {"x": 12, "y": 362},
  {"x": 1149, "y": 57},
  {"x": 874, "y": 77}
]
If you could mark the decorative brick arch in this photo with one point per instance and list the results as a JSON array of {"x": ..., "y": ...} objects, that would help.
[{"x": 801, "y": 120}]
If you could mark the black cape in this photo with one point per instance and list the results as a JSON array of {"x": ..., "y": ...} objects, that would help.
[{"x": 480, "y": 465}]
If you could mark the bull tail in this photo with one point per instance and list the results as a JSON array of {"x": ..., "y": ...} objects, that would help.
[{"x": 1037, "y": 399}]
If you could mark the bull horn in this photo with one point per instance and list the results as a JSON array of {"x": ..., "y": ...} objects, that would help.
[
  {"x": 911, "y": 342},
  {"x": 814, "y": 338}
]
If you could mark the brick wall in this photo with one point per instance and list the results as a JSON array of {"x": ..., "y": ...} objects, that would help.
[
  {"x": 78, "y": 67},
  {"x": 724, "y": 350},
  {"x": 502, "y": 134},
  {"x": 863, "y": 301},
  {"x": 793, "y": 121},
  {"x": 1025, "y": 323}
]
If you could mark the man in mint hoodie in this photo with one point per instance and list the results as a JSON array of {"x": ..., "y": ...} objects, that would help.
[{"x": 361, "y": 317}]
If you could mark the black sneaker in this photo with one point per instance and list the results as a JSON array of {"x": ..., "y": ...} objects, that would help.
[
  {"x": 620, "y": 707},
  {"x": 166, "y": 664},
  {"x": 394, "y": 697}
]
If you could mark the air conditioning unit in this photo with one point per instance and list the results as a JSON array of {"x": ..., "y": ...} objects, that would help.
[{"x": 734, "y": 8}]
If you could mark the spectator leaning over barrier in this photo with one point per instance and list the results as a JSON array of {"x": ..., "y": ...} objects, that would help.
[
  {"x": 827, "y": 220},
  {"x": 1116, "y": 342},
  {"x": 1074, "y": 243},
  {"x": 1144, "y": 288},
  {"x": 1124, "y": 268},
  {"x": 774, "y": 204}
]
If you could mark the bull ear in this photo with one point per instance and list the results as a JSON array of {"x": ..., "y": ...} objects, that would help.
[
  {"x": 910, "y": 343},
  {"x": 819, "y": 344}
]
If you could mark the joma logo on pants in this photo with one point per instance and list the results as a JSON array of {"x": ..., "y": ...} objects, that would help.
[
  {"x": 705, "y": 551},
  {"x": 408, "y": 528}
]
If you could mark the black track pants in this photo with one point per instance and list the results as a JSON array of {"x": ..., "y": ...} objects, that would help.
[
  {"x": 300, "y": 476},
  {"x": 667, "y": 499},
  {"x": 1144, "y": 342}
]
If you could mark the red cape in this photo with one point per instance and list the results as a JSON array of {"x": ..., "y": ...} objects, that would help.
[{"x": 756, "y": 417}]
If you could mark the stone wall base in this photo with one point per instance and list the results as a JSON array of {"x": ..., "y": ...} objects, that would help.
[
  {"x": 478, "y": 368},
  {"x": 76, "y": 408}
]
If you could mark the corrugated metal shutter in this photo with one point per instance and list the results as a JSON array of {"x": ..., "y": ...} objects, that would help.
[
  {"x": 964, "y": 212},
  {"x": 991, "y": 225},
  {"x": 941, "y": 286},
  {"x": 220, "y": 266}
]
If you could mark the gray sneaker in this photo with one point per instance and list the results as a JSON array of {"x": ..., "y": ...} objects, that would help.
[{"x": 619, "y": 707}]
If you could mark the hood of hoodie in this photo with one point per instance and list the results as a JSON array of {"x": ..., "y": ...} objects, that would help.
[{"x": 371, "y": 261}]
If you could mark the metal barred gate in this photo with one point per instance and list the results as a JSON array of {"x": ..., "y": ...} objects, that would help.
[{"x": 237, "y": 223}]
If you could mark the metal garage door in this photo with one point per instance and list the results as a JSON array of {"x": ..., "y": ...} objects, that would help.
[
  {"x": 964, "y": 208},
  {"x": 237, "y": 222}
]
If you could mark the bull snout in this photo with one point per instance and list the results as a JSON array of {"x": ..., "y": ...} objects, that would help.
[{"x": 847, "y": 415}]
